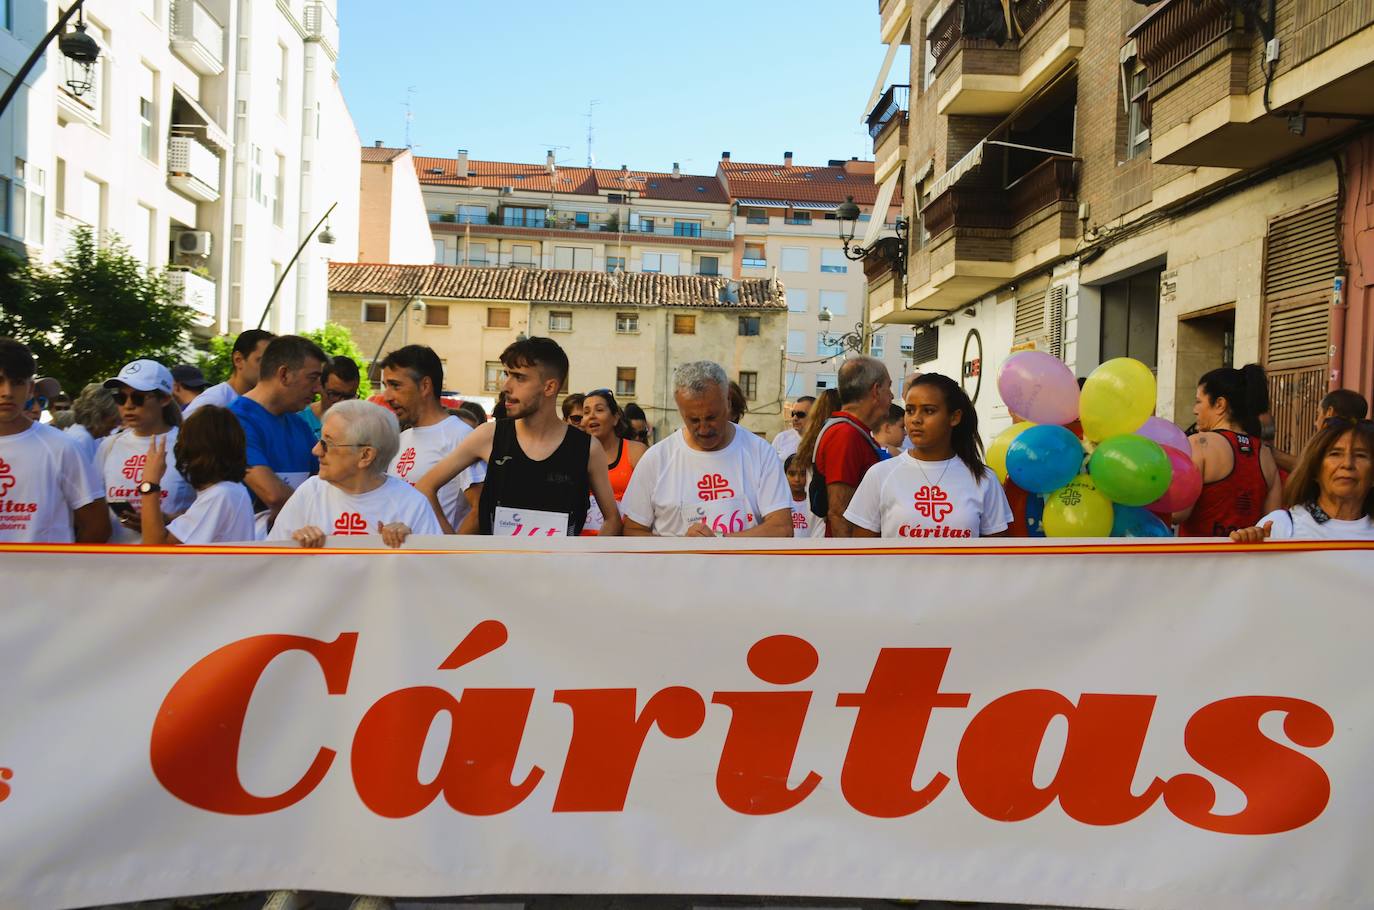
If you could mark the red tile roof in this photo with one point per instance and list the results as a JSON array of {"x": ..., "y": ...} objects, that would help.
[
  {"x": 801, "y": 183},
  {"x": 553, "y": 286},
  {"x": 580, "y": 181},
  {"x": 374, "y": 155}
]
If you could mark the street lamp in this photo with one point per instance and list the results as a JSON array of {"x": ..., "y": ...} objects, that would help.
[
  {"x": 888, "y": 249},
  {"x": 79, "y": 48},
  {"x": 854, "y": 341}
]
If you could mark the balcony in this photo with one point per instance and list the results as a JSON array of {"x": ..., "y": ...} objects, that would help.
[
  {"x": 197, "y": 37},
  {"x": 1207, "y": 82},
  {"x": 995, "y": 69},
  {"x": 192, "y": 169},
  {"x": 195, "y": 291},
  {"x": 559, "y": 225},
  {"x": 322, "y": 26},
  {"x": 895, "y": 17},
  {"x": 887, "y": 127}
]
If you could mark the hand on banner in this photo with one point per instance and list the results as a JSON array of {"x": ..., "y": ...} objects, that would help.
[
  {"x": 1253, "y": 535},
  {"x": 309, "y": 537},
  {"x": 394, "y": 534},
  {"x": 699, "y": 529}
]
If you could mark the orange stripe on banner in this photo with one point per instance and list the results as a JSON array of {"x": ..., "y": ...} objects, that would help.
[{"x": 1104, "y": 549}]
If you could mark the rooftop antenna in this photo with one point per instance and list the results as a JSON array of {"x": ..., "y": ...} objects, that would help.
[
  {"x": 410, "y": 90},
  {"x": 591, "y": 110}
]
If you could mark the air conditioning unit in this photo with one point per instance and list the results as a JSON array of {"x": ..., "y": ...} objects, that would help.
[{"x": 193, "y": 243}]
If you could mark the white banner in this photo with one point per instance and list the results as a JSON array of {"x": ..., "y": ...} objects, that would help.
[{"x": 1112, "y": 726}]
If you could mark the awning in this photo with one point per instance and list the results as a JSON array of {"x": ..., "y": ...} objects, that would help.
[
  {"x": 213, "y": 134},
  {"x": 764, "y": 203},
  {"x": 815, "y": 206},
  {"x": 880, "y": 207},
  {"x": 881, "y": 83},
  {"x": 923, "y": 174}
]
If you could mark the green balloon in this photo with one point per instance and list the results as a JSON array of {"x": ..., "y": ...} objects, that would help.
[{"x": 1130, "y": 469}]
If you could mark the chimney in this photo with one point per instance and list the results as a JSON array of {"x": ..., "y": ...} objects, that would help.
[
  {"x": 724, "y": 156},
  {"x": 786, "y": 159},
  {"x": 624, "y": 169},
  {"x": 548, "y": 161},
  {"x": 677, "y": 171},
  {"x": 377, "y": 143},
  {"x": 462, "y": 167},
  {"x": 857, "y": 168}
]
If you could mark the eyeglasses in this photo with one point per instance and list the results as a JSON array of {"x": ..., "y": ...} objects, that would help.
[
  {"x": 137, "y": 399},
  {"x": 326, "y": 445},
  {"x": 575, "y": 418},
  {"x": 801, "y": 415},
  {"x": 334, "y": 396},
  {"x": 38, "y": 400},
  {"x": 1348, "y": 423}
]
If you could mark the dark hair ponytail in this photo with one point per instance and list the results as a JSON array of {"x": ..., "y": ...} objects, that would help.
[
  {"x": 964, "y": 438},
  {"x": 1246, "y": 392}
]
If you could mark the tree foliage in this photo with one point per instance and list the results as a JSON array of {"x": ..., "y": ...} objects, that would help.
[
  {"x": 333, "y": 339},
  {"x": 92, "y": 311}
]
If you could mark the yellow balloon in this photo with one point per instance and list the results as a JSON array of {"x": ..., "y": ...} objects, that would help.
[
  {"x": 1118, "y": 398},
  {"x": 1078, "y": 510},
  {"x": 997, "y": 452}
]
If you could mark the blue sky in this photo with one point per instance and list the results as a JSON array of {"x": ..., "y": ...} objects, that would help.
[{"x": 675, "y": 81}]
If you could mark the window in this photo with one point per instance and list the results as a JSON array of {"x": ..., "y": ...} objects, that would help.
[
  {"x": 624, "y": 382},
  {"x": 667, "y": 263},
  {"x": 519, "y": 216},
  {"x": 796, "y": 383},
  {"x": 754, "y": 256},
  {"x": 824, "y": 349},
  {"x": 147, "y": 116},
  {"x": 1138, "y": 116},
  {"x": 522, "y": 255},
  {"x": 710, "y": 265},
  {"x": 799, "y": 218},
  {"x": 825, "y": 381},
  {"x": 796, "y": 341},
  {"x": 92, "y": 202},
  {"x": 283, "y": 61},
  {"x": 571, "y": 257},
  {"x": 255, "y": 174},
  {"x": 141, "y": 234},
  {"x": 684, "y": 325},
  {"x": 375, "y": 310},
  {"x": 279, "y": 191},
  {"x": 796, "y": 301},
  {"x": 834, "y": 261},
  {"x": 686, "y": 228},
  {"x": 749, "y": 325},
  {"x": 438, "y": 252},
  {"x": 582, "y": 220},
  {"x": 560, "y": 321},
  {"x": 646, "y": 225},
  {"x": 477, "y": 254},
  {"x": 6, "y": 14},
  {"x": 834, "y": 301},
  {"x": 615, "y": 198},
  {"x": 436, "y": 314},
  {"x": 1130, "y": 318},
  {"x": 6, "y": 219},
  {"x": 615, "y": 263},
  {"x": 498, "y": 317},
  {"x": 29, "y": 181},
  {"x": 877, "y": 346},
  {"x": 749, "y": 384},
  {"x": 755, "y": 216},
  {"x": 491, "y": 376},
  {"x": 627, "y": 323},
  {"x": 795, "y": 259},
  {"x": 472, "y": 214},
  {"x": 908, "y": 344}
]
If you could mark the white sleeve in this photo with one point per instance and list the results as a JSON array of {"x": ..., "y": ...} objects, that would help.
[
  {"x": 996, "y": 516},
  {"x": 473, "y": 474},
  {"x": 774, "y": 493},
  {"x": 866, "y": 507},
  {"x": 423, "y": 521},
  {"x": 197, "y": 524},
  {"x": 637, "y": 504},
  {"x": 81, "y": 482},
  {"x": 102, "y": 451},
  {"x": 1283, "y": 524},
  {"x": 292, "y": 516}
]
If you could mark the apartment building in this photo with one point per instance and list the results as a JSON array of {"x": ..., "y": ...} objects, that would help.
[
  {"x": 393, "y": 225},
  {"x": 623, "y": 331},
  {"x": 196, "y": 144},
  {"x": 509, "y": 215},
  {"x": 1165, "y": 181},
  {"x": 784, "y": 224}
]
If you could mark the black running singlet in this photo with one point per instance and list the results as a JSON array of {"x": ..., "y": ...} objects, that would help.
[{"x": 556, "y": 484}]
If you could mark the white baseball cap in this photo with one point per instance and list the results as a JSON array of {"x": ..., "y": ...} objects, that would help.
[{"x": 143, "y": 376}]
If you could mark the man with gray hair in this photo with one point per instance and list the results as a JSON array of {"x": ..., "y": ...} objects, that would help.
[
  {"x": 711, "y": 478},
  {"x": 353, "y": 495},
  {"x": 846, "y": 448}
]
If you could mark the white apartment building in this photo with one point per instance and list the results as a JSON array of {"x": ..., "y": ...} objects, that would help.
[{"x": 201, "y": 144}]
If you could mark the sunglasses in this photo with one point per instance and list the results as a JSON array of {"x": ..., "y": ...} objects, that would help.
[
  {"x": 38, "y": 400},
  {"x": 137, "y": 399},
  {"x": 1348, "y": 423},
  {"x": 575, "y": 418},
  {"x": 801, "y": 415}
]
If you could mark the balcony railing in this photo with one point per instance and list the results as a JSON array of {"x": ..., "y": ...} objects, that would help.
[
  {"x": 895, "y": 102},
  {"x": 195, "y": 291},
  {"x": 1053, "y": 180},
  {"x": 949, "y": 30},
  {"x": 1178, "y": 30},
  {"x": 197, "y": 37},
  {"x": 558, "y": 224},
  {"x": 192, "y": 169}
]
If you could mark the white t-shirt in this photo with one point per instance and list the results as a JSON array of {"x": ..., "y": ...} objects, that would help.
[
  {"x": 82, "y": 437},
  {"x": 319, "y": 504},
  {"x": 905, "y": 497},
  {"x": 222, "y": 395},
  {"x": 786, "y": 443},
  {"x": 422, "y": 448},
  {"x": 1298, "y": 524},
  {"x": 119, "y": 460},
  {"x": 806, "y": 523},
  {"x": 222, "y": 513},
  {"x": 732, "y": 488},
  {"x": 43, "y": 479}
]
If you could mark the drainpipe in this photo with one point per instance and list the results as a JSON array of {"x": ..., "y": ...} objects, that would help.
[{"x": 1338, "y": 304}]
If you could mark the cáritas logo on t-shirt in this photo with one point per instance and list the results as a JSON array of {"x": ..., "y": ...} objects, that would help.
[
  {"x": 350, "y": 524},
  {"x": 933, "y": 503},
  {"x": 6, "y": 477},
  {"x": 405, "y": 463},
  {"x": 14, "y": 514},
  {"x": 712, "y": 487},
  {"x": 133, "y": 467}
]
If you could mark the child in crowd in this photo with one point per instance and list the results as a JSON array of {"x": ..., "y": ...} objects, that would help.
[
  {"x": 210, "y": 454},
  {"x": 890, "y": 431},
  {"x": 805, "y": 523}
]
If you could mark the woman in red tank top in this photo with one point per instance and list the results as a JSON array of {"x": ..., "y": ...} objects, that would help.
[
  {"x": 1240, "y": 479},
  {"x": 605, "y": 422}
]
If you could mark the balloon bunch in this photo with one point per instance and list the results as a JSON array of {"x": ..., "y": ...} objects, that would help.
[{"x": 1128, "y": 468}]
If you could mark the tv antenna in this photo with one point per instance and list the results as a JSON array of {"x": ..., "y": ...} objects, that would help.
[
  {"x": 591, "y": 131},
  {"x": 410, "y": 115}
]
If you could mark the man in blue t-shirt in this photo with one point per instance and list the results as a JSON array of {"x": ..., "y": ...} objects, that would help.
[{"x": 279, "y": 442}]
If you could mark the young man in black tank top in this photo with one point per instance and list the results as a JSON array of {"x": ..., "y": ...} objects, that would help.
[{"x": 535, "y": 461}]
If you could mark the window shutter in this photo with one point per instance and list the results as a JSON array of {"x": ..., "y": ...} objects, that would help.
[
  {"x": 1030, "y": 317},
  {"x": 1055, "y": 304},
  {"x": 1301, "y": 256}
]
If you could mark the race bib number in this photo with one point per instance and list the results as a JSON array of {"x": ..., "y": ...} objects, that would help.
[
  {"x": 724, "y": 516},
  {"x": 595, "y": 520},
  {"x": 509, "y": 522}
]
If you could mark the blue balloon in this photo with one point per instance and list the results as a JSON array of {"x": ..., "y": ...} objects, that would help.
[
  {"x": 1136, "y": 521},
  {"x": 1044, "y": 458}
]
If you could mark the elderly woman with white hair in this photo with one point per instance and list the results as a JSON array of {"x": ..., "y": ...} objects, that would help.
[
  {"x": 711, "y": 478},
  {"x": 353, "y": 495}
]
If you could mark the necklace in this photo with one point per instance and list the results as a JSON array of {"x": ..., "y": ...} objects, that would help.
[{"x": 936, "y": 484}]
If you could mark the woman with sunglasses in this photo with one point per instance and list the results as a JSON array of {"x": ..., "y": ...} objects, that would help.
[
  {"x": 604, "y": 421},
  {"x": 1330, "y": 494},
  {"x": 147, "y": 411}
]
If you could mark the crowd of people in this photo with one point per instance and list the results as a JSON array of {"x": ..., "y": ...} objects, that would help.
[{"x": 284, "y": 450}]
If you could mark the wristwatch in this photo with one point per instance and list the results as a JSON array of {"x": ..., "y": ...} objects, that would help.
[{"x": 148, "y": 487}]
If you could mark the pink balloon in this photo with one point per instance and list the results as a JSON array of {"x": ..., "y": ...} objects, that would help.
[
  {"x": 1039, "y": 387},
  {"x": 1185, "y": 487},
  {"x": 1165, "y": 433}
]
